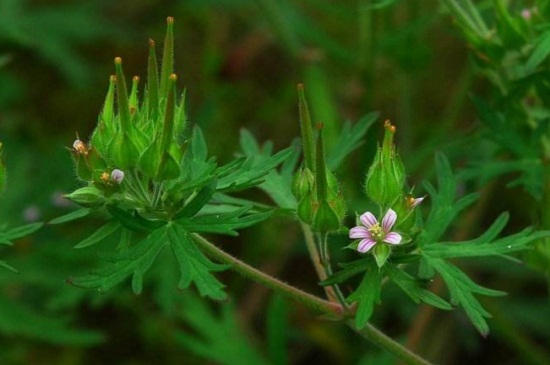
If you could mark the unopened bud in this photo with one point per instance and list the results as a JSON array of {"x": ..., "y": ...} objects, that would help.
[
  {"x": 302, "y": 184},
  {"x": 386, "y": 176},
  {"x": 117, "y": 176},
  {"x": 87, "y": 196},
  {"x": 80, "y": 147},
  {"x": 325, "y": 219}
]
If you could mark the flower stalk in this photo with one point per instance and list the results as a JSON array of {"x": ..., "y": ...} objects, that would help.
[{"x": 331, "y": 309}]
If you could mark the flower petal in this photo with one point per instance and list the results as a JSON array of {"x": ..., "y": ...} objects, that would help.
[
  {"x": 389, "y": 220},
  {"x": 359, "y": 232},
  {"x": 393, "y": 238},
  {"x": 368, "y": 219},
  {"x": 365, "y": 245},
  {"x": 416, "y": 202}
]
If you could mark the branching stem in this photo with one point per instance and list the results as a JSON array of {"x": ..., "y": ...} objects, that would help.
[{"x": 320, "y": 305}]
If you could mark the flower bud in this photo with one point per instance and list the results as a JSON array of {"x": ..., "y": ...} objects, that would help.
[
  {"x": 325, "y": 219},
  {"x": 117, "y": 176},
  {"x": 302, "y": 184},
  {"x": 335, "y": 197},
  {"x": 306, "y": 208},
  {"x": 386, "y": 176},
  {"x": 87, "y": 196},
  {"x": 123, "y": 151}
]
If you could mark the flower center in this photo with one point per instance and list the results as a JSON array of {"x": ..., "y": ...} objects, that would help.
[{"x": 376, "y": 232}]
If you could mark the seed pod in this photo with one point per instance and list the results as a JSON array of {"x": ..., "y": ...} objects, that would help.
[{"x": 386, "y": 176}]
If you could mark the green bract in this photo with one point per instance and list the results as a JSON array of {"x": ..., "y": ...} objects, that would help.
[{"x": 150, "y": 174}]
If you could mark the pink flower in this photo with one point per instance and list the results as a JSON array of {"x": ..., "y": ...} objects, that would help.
[
  {"x": 117, "y": 176},
  {"x": 371, "y": 232}
]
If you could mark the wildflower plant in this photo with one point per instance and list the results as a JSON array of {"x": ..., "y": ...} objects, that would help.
[{"x": 147, "y": 173}]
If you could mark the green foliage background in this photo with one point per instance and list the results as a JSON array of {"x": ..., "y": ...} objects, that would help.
[{"x": 240, "y": 61}]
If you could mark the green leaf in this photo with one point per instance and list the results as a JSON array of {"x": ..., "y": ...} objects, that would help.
[
  {"x": 540, "y": 52},
  {"x": 203, "y": 196},
  {"x": 412, "y": 288},
  {"x": 444, "y": 207},
  {"x": 277, "y": 184},
  {"x": 77, "y": 214},
  {"x": 18, "y": 232},
  {"x": 196, "y": 167},
  {"x": 350, "y": 269},
  {"x": 135, "y": 261},
  {"x": 216, "y": 337},
  {"x": 223, "y": 223},
  {"x": 485, "y": 245},
  {"x": 102, "y": 233},
  {"x": 367, "y": 295},
  {"x": 252, "y": 171},
  {"x": 18, "y": 320},
  {"x": 7, "y": 266},
  {"x": 462, "y": 290},
  {"x": 504, "y": 132},
  {"x": 531, "y": 173},
  {"x": 132, "y": 262},
  {"x": 349, "y": 140},
  {"x": 194, "y": 266},
  {"x": 133, "y": 221}
]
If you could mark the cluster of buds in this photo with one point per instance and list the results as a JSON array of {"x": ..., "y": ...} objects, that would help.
[
  {"x": 385, "y": 184},
  {"x": 136, "y": 146},
  {"x": 320, "y": 202}
]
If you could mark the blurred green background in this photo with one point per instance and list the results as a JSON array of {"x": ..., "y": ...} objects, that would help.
[{"x": 240, "y": 61}]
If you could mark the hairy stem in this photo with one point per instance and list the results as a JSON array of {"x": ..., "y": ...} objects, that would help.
[
  {"x": 369, "y": 332},
  {"x": 309, "y": 300}
]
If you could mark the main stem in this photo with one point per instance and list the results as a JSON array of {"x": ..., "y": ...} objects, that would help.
[{"x": 320, "y": 305}]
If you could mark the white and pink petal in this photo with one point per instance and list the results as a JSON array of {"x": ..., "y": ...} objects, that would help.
[
  {"x": 393, "y": 238},
  {"x": 359, "y": 232},
  {"x": 389, "y": 220},
  {"x": 365, "y": 245},
  {"x": 368, "y": 219}
]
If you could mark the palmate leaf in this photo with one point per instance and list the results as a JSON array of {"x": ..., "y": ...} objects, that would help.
[
  {"x": 413, "y": 289},
  {"x": 194, "y": 266},
  {"x": 277, "y": 184},
  {"x": 223, "y": 223},
  {"x": 434, "y": 253},
  {"x": 462, "y": 290},
  {"x": 486, "y": 245},
  {"x": 135, "y": 261},
  {"x": 444, "y": 207},
  {"x": 257, "y": 163}
]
